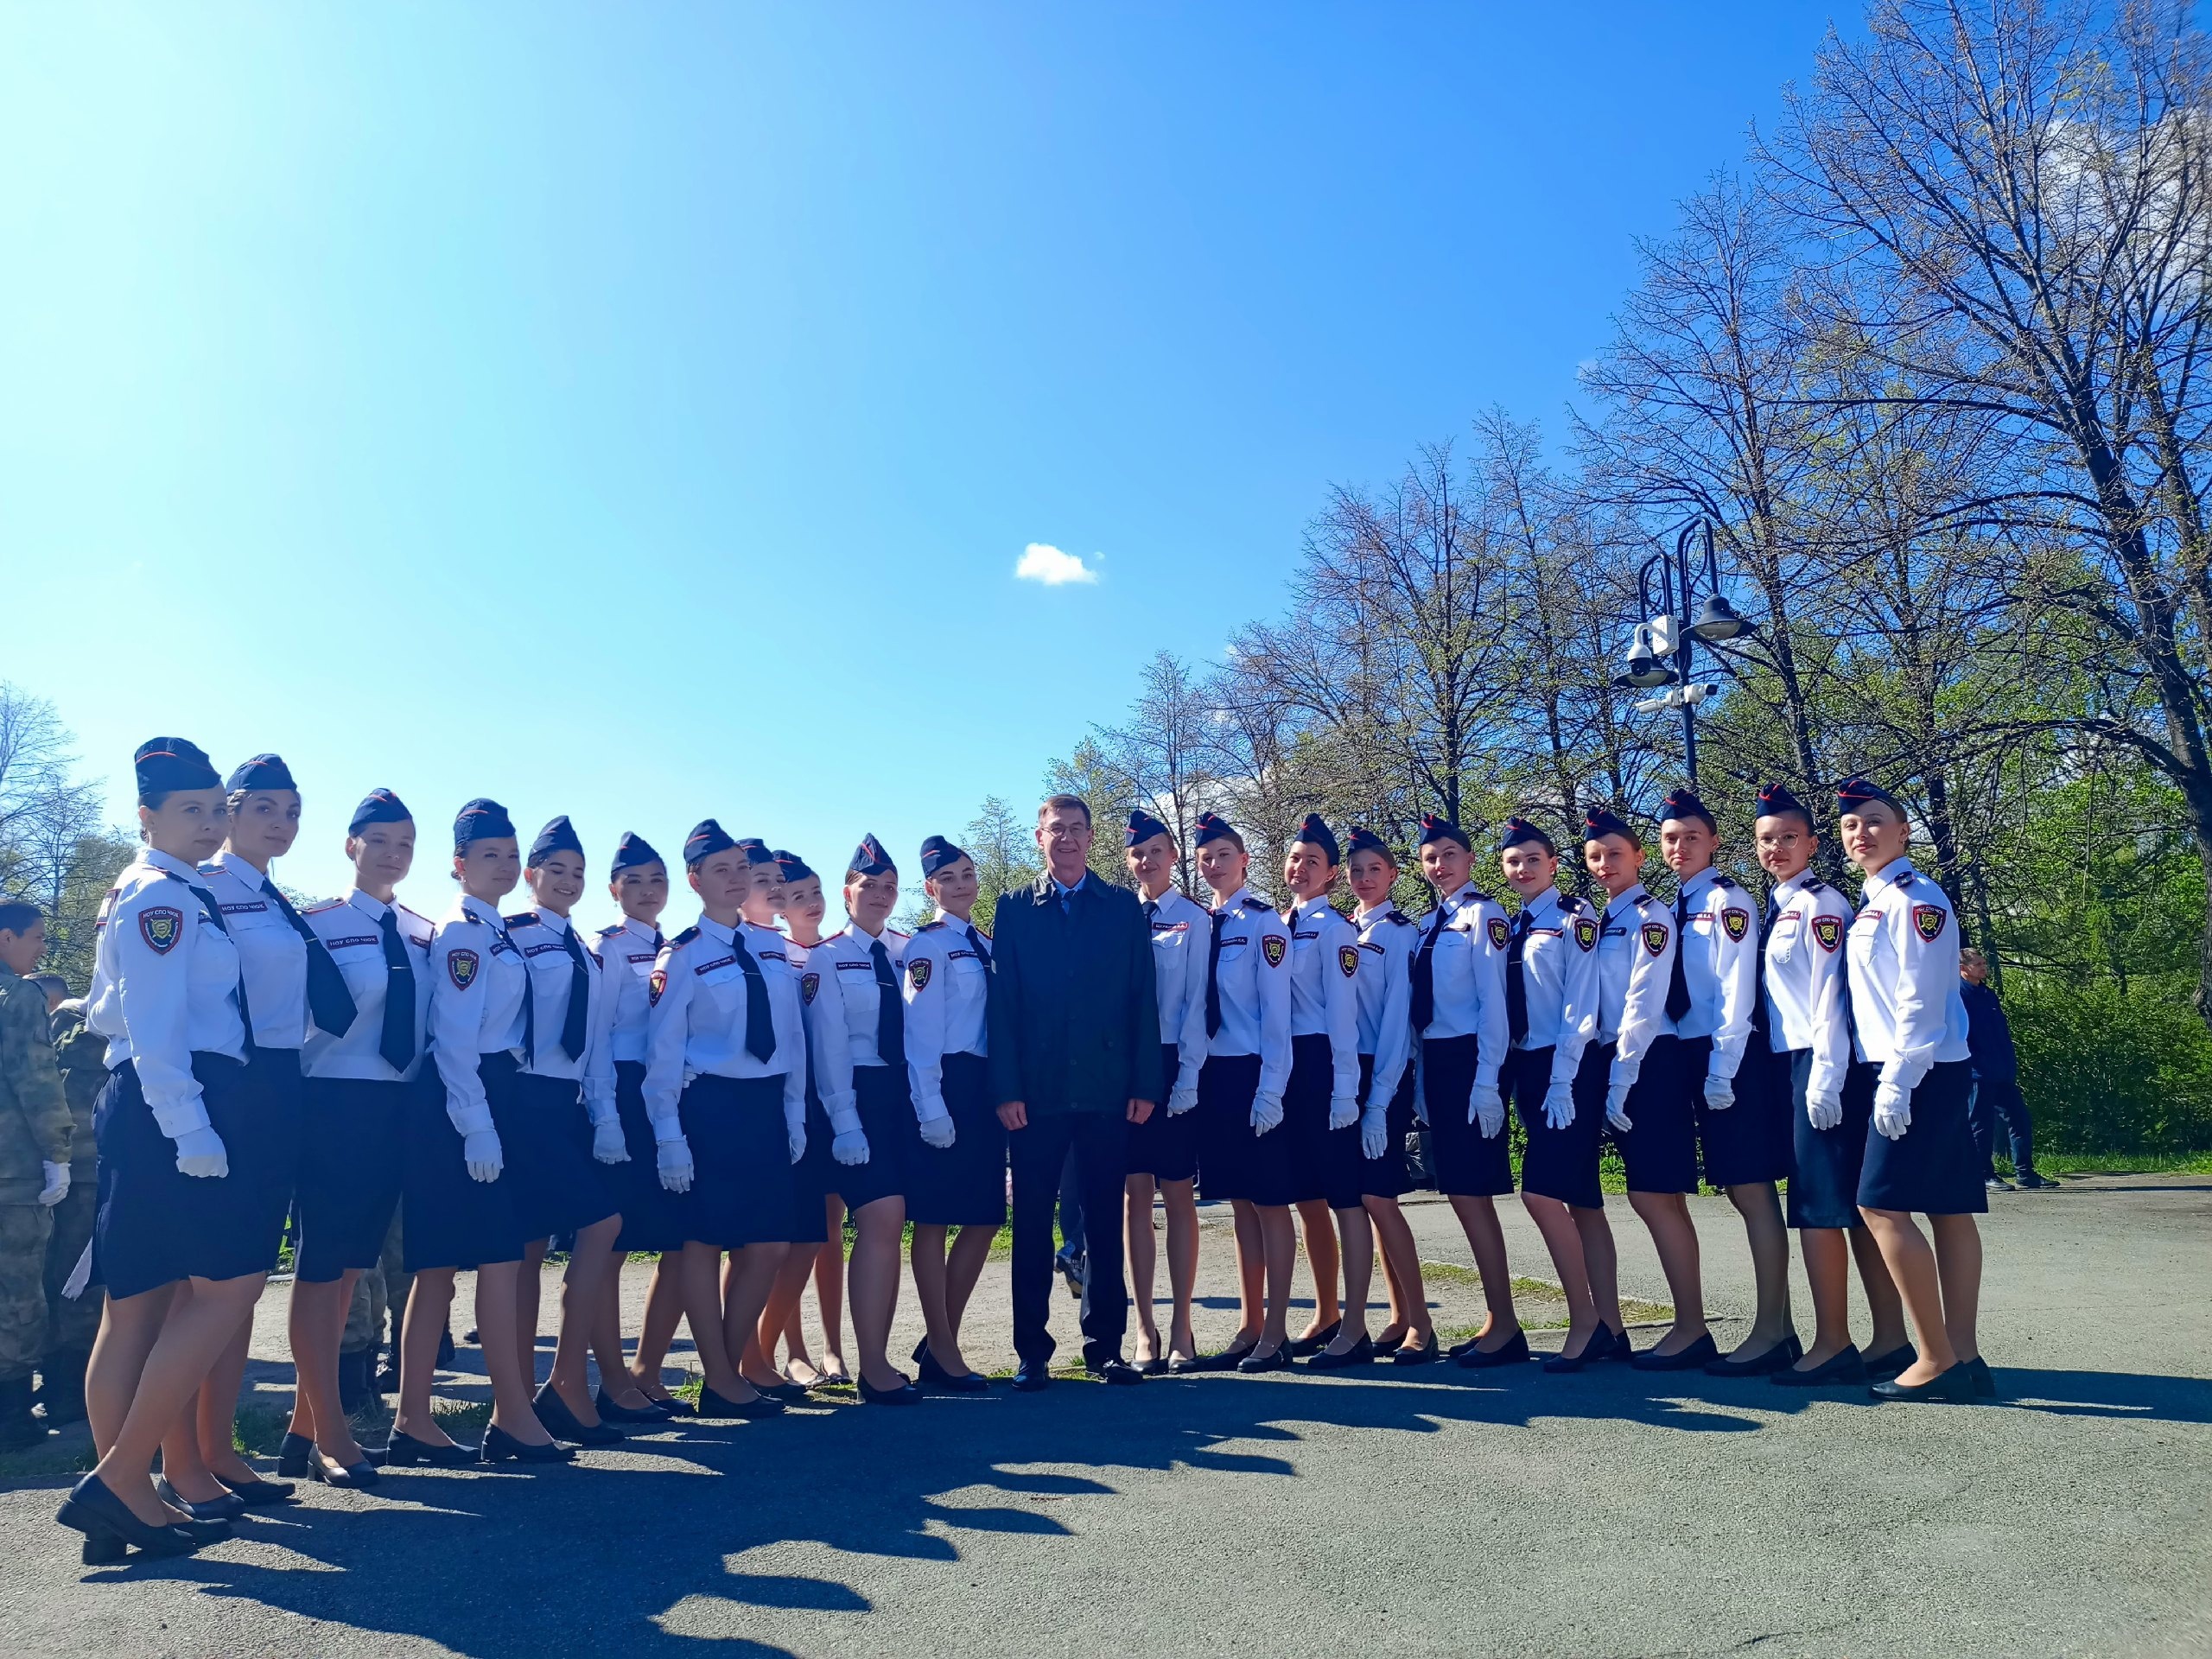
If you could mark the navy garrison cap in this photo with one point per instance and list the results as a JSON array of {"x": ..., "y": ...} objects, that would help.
[
  {"x": 263, "y": 771},
  {"x": 377, "y": 806},
  {"x": 167, "y": 764},
  {"x": 1314, "y": 833},
  {"x": 480, "y": 820},
  {"x": 1855, "y": 792},
  {"x": 936, "y": 854},
  {"x": 1142, "y": 828},
  {"x": 756, "y": 850},
  {"x": 1366, "y": 841},
  {"x": 794, "y": 868},
  {"x": 633, "y": 851},
  {"x": 1519, "y": 830},
  {"x": 1600, "y": 822},
  {"x": 1775, "y": 799},
  {"x": 1681, "y": 804},
  {"x": 558, "y": 837},
  {"x": 869, "y": 859},
  {"x": 1213, "y": 827},
  {"x": 706, "y": 838},
  {"x": 1434, "y": 827}
]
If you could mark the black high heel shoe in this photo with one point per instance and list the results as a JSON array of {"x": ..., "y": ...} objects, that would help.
[
  {"x": 108, "y": 1526},
  {"x": 564, "y": 1424},
  {"x": 1304, "y": 1347},
  {"x": 405, "y": 1451},
  {"x": 1515, "y": 1352},
  {"x": 358, "y": 1477},
  {"x": 653, "y": 1411},
  {"x": 906, "y": 1394},
  {"x": 228, "y": 1507},
  {"x": 500, "y": 1446},
  {"x": 292, "y": 1455}
]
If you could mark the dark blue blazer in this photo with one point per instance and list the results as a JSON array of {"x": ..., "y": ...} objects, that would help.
[{"x": 1074, "y": 1015}]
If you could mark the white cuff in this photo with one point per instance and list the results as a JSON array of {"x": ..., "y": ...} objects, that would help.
[
  {"x": 183, "y": 1118},
  {"x": 843, "y": 1119},
  {"x": 473, "y": 1119},
  {"x": 929, "y": 1110}
]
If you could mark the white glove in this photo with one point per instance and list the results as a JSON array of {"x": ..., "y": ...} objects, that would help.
[
  {"x": 1486, "y": 1107},
  {"x": 1181, "y": 1101},
  {"x": 1616, "y": 1106},
  {"x": 1719, "y": 1094},
  {"x": 1558, "y": 1105},
  {"x": 199, "y": 1152},
  {"x": 850, "y": 1147},
  {"x": 674, "y": 1157},
  {"x": 1892, "y": 1111},
  {"x": 938, "y": 1131},
  {"x": 1343, "y": 1112},
  {"x": 481, "y": 1152},
  {"x": 1374, "y": 1133},
  {"x": 57, "y": 1184},
  {"x": 1826, "y": 1111},
  {"x": 1266, "y": 1112},
  {"x": 796, "y": 1140},
  {"x": 606, "y": 1142}
]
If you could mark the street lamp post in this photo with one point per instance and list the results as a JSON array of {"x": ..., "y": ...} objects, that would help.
[{"x": 1670, "y": 629}]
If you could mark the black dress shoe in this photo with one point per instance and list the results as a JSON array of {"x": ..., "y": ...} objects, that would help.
[
  {"x": 675, "y": 1407},
  {"x": 292, "y": 1455},
  {"x": 1226, "y": 1360},
  {"x": 2031, "y": 1182},
  {"x": 1956, "y": 1383},
  {"x": 1389, "y": 1337},
  {"x": 1883, "y": 1366},
  {"x": 715, "y": 1405},
  {"x": 1319, "y": 1340},
  {"x": 1847, "y": 1364},
  {"x": 404, "y": 1451},
  {"x": 1117, "y": 1370},
  {"x": 1978, "y": 1375},
  {"x": 563, "y": 1424},
  {"x": 1515, "y": 1352},
  {"x": 1622, "y": 1349},
  {"x": 930, "y": 1374},
  {"x": 228, "y": 1507},
  {"x": 1428, "y": 1354},
  {"x": 1694, "y": 1358},
  {"x": 921, "y": 1351},
  {"x": 1599, "y": 1346},
  {"x": 653, "y": 1411},
  {"x": 1152, "y": 1367},
  {"x": 1360, "y": 1353},
  {"x": 1188, "y": 1365},
  {"x": 261, "y": 1494},
  {"x": 1033, "y": 1374},
  {"x": 1775, "y": 1357},
  {"x": 1256, "y": 1362},
  {"x": 500, "y": 1446},
  {"x": 904, "y": 1395},
  {"x": 107, "y": 1523}
]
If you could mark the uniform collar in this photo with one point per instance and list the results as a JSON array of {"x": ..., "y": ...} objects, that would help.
[
  {"x": 953, "y": 921},
  {"x": 235, "y": 867},
  {"x": 369, "y": 905},
  {"x": 1308, "y": 907},
  {"x": 1234, "y": 900},
  {"x": 171, "y": 865},
  {"x": 555, "y": 923},
  {"x": 1888, "y": 875},
  {"x": 1387, "y": 907},
  {"x": 1467, "y": 893},
  {"x": 1796, "y": 884},
  {"x": 714, "y": 930},
  {"x": 632, "y": 924},
  {"x": 1542, "y": 904},
  {"x": 476, "y": 908},
  {"x": 1695, "y": 886},
  {"x": 1634, "y": 893}
]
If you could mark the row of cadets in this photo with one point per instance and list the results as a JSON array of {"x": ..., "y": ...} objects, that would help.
[{"x": 1163, "y": 1150}]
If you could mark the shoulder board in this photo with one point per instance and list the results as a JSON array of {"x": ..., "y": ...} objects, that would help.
[
  {"x": 893, "y": 931},
  {"x": 521, "y": 919},
  {"x": 317, "y": 910},
  {"x": 1260, "y": 904},
  {"x": 926, "y": 927},
  {"x": 1904, "y": 880},
  {"x": 1723, "y": 882},
  {"x": 685, "y": 937},
  {"x": 1646, "y": 902},
  {"x": 211, "y": 869},
  {"x": 609, "y": 932},
  {"x": 1480, "y": 898},
  {"x": 1813, "y": 884}
]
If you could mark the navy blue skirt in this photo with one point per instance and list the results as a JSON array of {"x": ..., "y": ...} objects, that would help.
[
  {"x": 1233, "y": 1161},
  {"x": 1824, "y": 1189},
  {"x": 1164, "y": 1148},
  {"x": 648, "y": 1209},
  {"x": 351, "y": 1161},
  {"x": 545, "y": 1136},
  {"x": 1323, "y": 1162},
  {"x": 963, "y": 1185},
  {"x": 1750, "y": 1141},
  {"x": 1933, "y": 1167},
  {"x": 885, "y": 1105},
  {"x": 811, "y": 1177},
  {"x": 1387, "y": 1177},
  {"x": 155, "y": 1225},
  {"x": 1660, "y": 1153},
  {"x": 1559, "y": 1164},
  {"x": 449, "y": 1218},
  {"x": 1469, "y": 1164},
  {"x": 741, "y": 1187}
]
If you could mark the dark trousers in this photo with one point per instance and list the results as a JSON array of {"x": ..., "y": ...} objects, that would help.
[
  {"x": 1994, "y": 1098},
  {"x": 1099, "y": 1141},
  {"x": 1071, "y": 1208}
]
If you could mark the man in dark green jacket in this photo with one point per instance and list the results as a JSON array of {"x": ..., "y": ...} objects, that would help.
[{"x": 1074, "y": 1032}]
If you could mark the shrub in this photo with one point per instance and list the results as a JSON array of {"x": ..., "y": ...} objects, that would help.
[{"x": 2108, "y": 1068}]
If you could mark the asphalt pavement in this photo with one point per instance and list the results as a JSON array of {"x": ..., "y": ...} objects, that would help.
[{"x": 1431, "y": 1511}]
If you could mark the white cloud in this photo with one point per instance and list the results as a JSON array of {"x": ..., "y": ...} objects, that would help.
[{"x": 1052, "y": 567}]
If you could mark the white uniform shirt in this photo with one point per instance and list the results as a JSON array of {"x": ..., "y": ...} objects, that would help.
[
  {"x": 477, "y": 985},
  {"x": 844, "y": 1002},
  {"x": 1468, "y": 963},
  {"x": 271, "y": 954},
  {"x": 947, "y": 982},
  {"x": 352, "y": 930},
  {"x": 1636, "y": 957},
  {"x": 165, "y": 985},
  {"x": 1805, "y": 1003},
  {"x": 1905, "y": 1005},
  {"x": 1720, "y": 967},
  {"x": 1252, "y": 984},
  {"x": 1558, "y": 971},
  {"x": 540, "y": 936},
  {"x": 1182, "y": 932},
  {"x": 627, "y": 951},
  {"x": 1325, "y": 989},
  {"x": 697, "y": 1024},
  {"x": 1387, "y": 938}
]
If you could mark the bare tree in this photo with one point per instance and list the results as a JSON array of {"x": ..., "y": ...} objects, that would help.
[{"x": 1159, "y": 755}]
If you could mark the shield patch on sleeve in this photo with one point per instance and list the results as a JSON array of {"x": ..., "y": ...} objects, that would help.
[
  {"x": 1348, "y": 959},
  {"x": 161, "y": 927},
  {"x": 656, "y": 982},
  {"x": 1498, "y": 933},
  {"x": 1585, "y": 933},
  {"x": 918, "y": 971},
  {"x": 1654, "y": 937},
  {"x": 807, "y": 985},
  {"x": 1736, "y": 923},
  {"x": 461, "y": 967},
  {"x": 1827, "y": 932},
  {"x": 1928, "y": 921},
  {"x": 1272, "y": 947}
]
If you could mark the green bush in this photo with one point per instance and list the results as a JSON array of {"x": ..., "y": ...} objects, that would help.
[{"x": 2108, "y": 1069}]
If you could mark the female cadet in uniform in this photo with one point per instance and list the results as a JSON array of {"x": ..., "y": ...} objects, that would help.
[
  {"x": 563, "y": 1132},
  {"x": 288, "y": 977},
  {"x": 1241, "y": 1088},
  {"x": 1551, "y": 1012},
  {"x": 726, "y": 1089},
  {"x": 1910, "y": 1021},
  {"x": 1458, "y": 1008},
  {"x": 1634, "y": 1083},
  {"x": 359, "y": 1083},
  {"x": 461, "y": 1208},
  {"x": 859, "y": 1038},
  {"x": 1321, "y": 1103},
  {"x": 803, "y": 908},
  {"x": 1387, "y": 937},
  {"x": 956, "y": 1176},
  {"x": 1164, "y": 1148},
  {"x": 1807, "y": 1025},
  {"x": 182, "y": 1249},
  {"x": 1743, "y": 1123}
]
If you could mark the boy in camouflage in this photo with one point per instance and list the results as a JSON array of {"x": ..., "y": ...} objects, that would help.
[
  {"x": 34, "y": 1135},
  {"x": 71, "y": 1325}
]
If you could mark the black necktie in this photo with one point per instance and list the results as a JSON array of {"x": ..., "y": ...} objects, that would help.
[
  {"x": 1213, "y": 977},
  {"x": 329, "y": 1000},
  {"x": 213, "y": 912},
  {"x": 1516, "y": 980},
  {"x": 397, "y": 1043},
  {"x": 1151, "y": 912},
  {"x": 1678, "y": 985},
  {"x": 1424, "y": 1003},
  {"x": 975, "y": 944},
  {"x": 1760, "y": 1017},
  {"x": 572, "y": 1023},
  {"x": 890, "y": 1008},
  {"x": 760, "y": 1024}
]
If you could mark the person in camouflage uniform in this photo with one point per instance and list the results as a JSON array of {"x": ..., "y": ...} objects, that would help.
[
  {"x": 380, "y": 1291},
  {"x": 34, "y": 1167},
  {"x": 71, "y": 1324}
]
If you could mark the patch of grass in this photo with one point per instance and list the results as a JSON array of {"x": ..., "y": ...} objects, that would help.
[{"x": 2118, "y": 1163}]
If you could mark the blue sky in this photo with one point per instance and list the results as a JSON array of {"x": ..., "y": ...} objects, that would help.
[{"x": 641, "y": 413}]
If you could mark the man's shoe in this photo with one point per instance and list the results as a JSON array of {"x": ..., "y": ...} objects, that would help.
[
  {"x": 1848, "y": 1365},
  {"x": 1777, "y": 1357},
  {"x": 1031, "y": 1375},
  {"x": 1115, "y": 1370},
  {"x": 2030, "y": 1181},
  {"x": 1305, "y": 1346},
  {"x": 1998, "y": 1184}
]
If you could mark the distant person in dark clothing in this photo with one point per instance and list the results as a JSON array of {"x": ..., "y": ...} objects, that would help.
[{"x": 1996, "y": 1078}]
